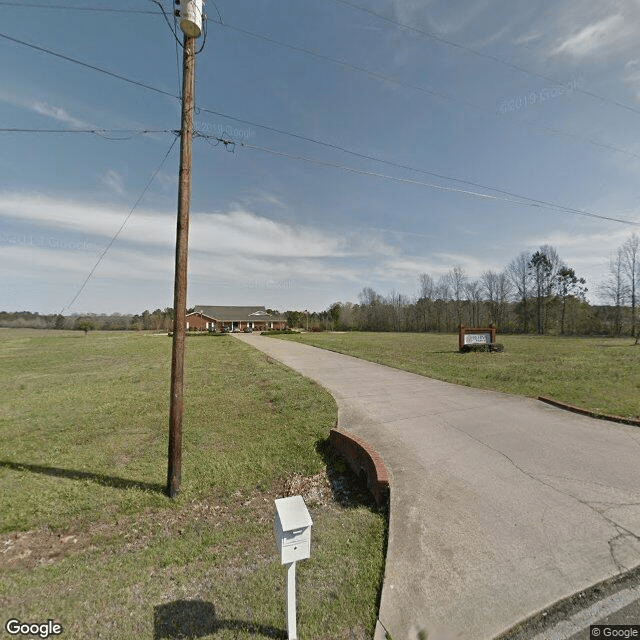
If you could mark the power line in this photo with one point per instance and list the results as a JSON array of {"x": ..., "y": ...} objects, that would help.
[
  {"x": 86, "y": 65},
  {"x": 288, "y": 133},
  {"x": 437, "y": 94},
  {"x": 343, "y": 63},
  {"x": 487, "y": 56},
  {"x": 74, "y": 8},
  {"x": 365, "y": 156},
  {"x": 307, "y": 138},
  {"x": 122, "y": 226},
  {"x": 166, "y": 19},
  {"x": 98, "y": 132},
  {"x": 513, "y": 198}
]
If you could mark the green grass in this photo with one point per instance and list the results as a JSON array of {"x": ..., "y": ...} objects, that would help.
[
  {"x": 90, "y": 540},
  {"x": 600, "y": 374}
]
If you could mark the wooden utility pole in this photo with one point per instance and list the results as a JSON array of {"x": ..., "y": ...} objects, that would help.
[{"x": 174, "y": 474}]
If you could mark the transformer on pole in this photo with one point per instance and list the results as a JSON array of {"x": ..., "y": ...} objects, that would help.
[{"x": 191, "y": 17}]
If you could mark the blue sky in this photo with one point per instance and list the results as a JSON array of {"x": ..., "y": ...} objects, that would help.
[{"x": 492, "y": 93}]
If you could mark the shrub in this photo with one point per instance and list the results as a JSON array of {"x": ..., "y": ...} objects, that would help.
[
  {"x": 482, "y": 348},
  {"x": 277, "y": 332}
]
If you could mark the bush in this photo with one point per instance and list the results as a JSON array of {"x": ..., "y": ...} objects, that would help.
[
  {"x": 316, "y": 329},
  {"x": 482, "y": 348},
  {"x": 277, "y": 332}
]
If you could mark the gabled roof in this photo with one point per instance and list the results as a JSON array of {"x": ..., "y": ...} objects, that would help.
[
  {"x": 235, "y": 314},
  {"x": 199, "y": 313}
]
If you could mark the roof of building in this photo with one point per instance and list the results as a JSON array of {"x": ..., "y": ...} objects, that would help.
[{"x": 237, "y": 314}]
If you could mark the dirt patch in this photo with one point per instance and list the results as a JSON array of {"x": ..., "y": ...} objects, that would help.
[{"x": 42, "y": 546}]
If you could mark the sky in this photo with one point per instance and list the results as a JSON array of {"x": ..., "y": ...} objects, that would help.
[{"x": 375, "y": 140}]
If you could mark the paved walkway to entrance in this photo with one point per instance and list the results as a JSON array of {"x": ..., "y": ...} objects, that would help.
[{"x": 500, "y": 505}]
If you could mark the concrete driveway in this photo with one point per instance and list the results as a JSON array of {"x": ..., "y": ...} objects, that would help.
[{"x": 500, "y": 505}]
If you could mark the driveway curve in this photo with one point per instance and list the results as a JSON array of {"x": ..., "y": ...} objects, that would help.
[{"x": 500, "y": 505}]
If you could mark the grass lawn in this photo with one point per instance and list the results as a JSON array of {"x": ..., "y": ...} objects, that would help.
[
  {"x": 600, "y": 374},
  {"x": 88, "y": 537}
]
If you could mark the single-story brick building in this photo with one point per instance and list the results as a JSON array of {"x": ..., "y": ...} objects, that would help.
[{"x": 207, "y": 318}]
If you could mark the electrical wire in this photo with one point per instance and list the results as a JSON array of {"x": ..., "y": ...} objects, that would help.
[
  {"x": 299, "y": 136},
  {"x": 486, "y": 56},
  {"x": 343, "y": 63},
  {"x": 437, "y": 94},
  {"x": 99, "y": 132},
  {"x": 512, "y": 198},
  {"x": 365, "y": 156},
  {"x": 204, "y": 33},
  {"x": 174, "y": 28},
  {"x": 122, "y": 226},
  {"x": 551, "y": 130},
  {"x": 72, "y": 8},
  {"x": 166, "y": 19},
  {"x": 88, "y": 66}
]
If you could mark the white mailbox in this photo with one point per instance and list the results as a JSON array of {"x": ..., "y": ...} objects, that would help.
[{"x": 292, "y": 529}]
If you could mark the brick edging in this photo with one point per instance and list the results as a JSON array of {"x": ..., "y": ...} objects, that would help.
[
  {"x": 592, "y": 414},
  {"x": 362, "y": 458}
]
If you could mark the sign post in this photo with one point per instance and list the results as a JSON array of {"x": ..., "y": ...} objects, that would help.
[{"x": 476, "y": 335}]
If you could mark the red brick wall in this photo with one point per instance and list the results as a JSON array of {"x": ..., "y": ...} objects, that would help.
[{"x": 361, "y": 457}]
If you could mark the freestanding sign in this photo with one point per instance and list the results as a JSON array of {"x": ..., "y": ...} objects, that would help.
[
  {"x": 476, "y": 335},
  {"x": 292, "y": 529}
]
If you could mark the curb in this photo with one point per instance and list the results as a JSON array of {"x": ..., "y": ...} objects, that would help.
[
  {"x": 363, "y": 458},
  {"x": 592, "y": 414}
]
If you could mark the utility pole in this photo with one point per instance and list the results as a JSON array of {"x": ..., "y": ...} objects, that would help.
[{"x": 191, "y": 26}]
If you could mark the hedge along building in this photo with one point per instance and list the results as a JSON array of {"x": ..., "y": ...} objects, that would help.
[{"x": 206, "y": 318}]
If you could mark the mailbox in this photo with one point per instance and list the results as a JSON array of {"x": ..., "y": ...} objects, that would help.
[{"x": 292, "y": 529}]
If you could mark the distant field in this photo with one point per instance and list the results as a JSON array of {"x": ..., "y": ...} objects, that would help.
[
  {"x": 601, "y": 374},
  {"x": 88, "y": 537}
]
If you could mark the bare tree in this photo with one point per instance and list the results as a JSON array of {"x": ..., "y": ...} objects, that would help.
[
  {"x": 474, "y": 296},
  {"x": 457, "y": 279},
  {"x": 615, "y": 290},
  {"x": 520, "y": 278},
  {"x": 489, "y": 284},
  {"x": 424, "y": 304},
  {"x": 631, "y": 268},
  {"x": 503, "y": 293},
  {"x": 396, "y": 304},
  {"x": 442, "y": 296},
  {"x": 427, "y": 286}
]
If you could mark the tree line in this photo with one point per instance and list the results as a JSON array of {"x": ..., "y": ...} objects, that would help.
[
  {"x": 158, "y": 320},
  {"x": 537, "y": 292}
]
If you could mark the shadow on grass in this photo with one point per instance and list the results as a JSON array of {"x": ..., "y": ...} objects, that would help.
[
  {"x": 186, "y": 619},
  {"x": 73, "y": 474}
]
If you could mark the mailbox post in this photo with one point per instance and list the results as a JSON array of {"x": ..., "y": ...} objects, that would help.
[{"x": 292, "y": 530}]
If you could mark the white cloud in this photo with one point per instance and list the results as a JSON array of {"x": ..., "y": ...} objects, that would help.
[
  {"x": 236, "y": 232},
  {"x": 57, "y": 113},
  {"x": 238, "y": 250},
  {"x": 408, "y": 10},
  {"x": 593, "y": 37},
  {"x": 114, "y": 182},
  {"x": 44, "y": 108}
]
